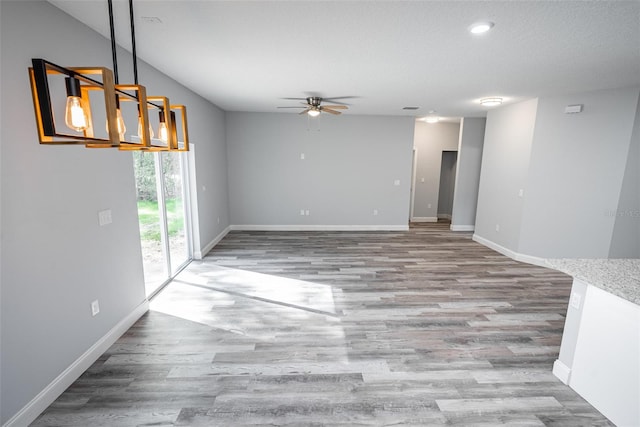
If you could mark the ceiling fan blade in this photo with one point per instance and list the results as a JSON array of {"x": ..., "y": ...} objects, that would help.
[
  {"x": 330, "y": 111},
  {"x": 336, "y": 107},
  {"x": 295, "y": 99},
  {"x": 305, "y": 111},
  {"x": 335, "y": 99},
  {"x": 291, "y": 107}
]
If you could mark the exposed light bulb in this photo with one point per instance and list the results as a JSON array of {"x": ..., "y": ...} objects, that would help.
[
  {"x": 119, "y": 123},
  {"x": 313, "y": 113},
  {"x": 140, "y": 124},
  {"x": 75, "y": 117},
  {"x": 163, "y": 131}
]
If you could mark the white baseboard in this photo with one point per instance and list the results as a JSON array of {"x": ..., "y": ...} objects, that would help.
[
  {"x": 424, "y": 219},
  {"x": 253, "y": 227},
  {"x": 511, "y": 254},
  {"x": 38, "y": 404},
  {"x": 561, "y": 371},
  {"x": 444, "y": 216},
  {"x": 462, "y": 227},
  {"x": 202, "y": 252}
]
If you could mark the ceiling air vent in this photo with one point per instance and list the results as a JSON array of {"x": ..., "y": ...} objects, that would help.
[
  {"x": 151, "y": 20},
  {"x": 410, "y": 108}
]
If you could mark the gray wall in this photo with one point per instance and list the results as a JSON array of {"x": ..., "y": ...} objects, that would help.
[
  {"x": 55, "y": 257},
  {"x": 447, "y": 183},
  {"x": 505, "y": 165},
  {"x": 430, "y": 140},
  {"x": 465, "y": 196},
  {"x": 625, "y": 242},
  {"x": 575, "y": 176},
  {"x": 349, "y": 169}
]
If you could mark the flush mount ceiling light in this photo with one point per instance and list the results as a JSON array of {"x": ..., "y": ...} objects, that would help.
[
  {"x": 431, "y": 118},
  {"x": 481, "y": 27},
  {"x": 491, "y": 101},
  {"x": 101, "y": 85}
]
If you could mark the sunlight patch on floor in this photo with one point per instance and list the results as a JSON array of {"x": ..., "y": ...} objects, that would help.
[{"x": 255, "y": 305}]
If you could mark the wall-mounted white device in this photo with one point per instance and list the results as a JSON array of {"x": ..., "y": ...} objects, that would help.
[{"x": 573, "y": 109}]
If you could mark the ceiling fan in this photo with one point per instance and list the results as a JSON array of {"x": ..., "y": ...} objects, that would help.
[{"x": 312, "y": 105}]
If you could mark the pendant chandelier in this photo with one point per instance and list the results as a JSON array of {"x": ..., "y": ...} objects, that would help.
[{"x": 94, "y": 94}]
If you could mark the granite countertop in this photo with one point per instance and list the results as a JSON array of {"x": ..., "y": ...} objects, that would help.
[{"x": 620, "y": 277}]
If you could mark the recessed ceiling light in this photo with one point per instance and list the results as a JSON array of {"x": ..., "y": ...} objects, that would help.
[
  {"x": 491, "y": 102},
  {"x": 481, "y": 27},
  {"x": 432, "y": 119}
]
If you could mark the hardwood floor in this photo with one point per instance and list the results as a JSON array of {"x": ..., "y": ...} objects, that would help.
[{"x": 419, "y": 328}]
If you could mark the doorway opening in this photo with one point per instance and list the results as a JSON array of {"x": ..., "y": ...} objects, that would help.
[{"x": 447, "y": 184}]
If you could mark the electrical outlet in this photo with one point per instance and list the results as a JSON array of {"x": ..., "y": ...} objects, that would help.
[
  {"x": 575, "y": 300},
  {"x": 218, "y": 220},
  {"x": 429, "y": 206},
  {"x": 302, "y": 212},
  {"x": 521, "y": 193},
  {"x": 375, "y": 211},
  {"x": 306, "y": 212},
  {"x": 104, "y": 217},
  {"x": 421, "y": 179},
  {"x": 396, "y": 182},
  {"x": 497, "y": 227},
  {"x": 95, "y": 308},
  {"x": 301, "y": 156}
]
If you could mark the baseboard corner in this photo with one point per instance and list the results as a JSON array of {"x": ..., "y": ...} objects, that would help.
[
  {"x": 199, "y": 254},
  {"x": 561, "y": 371}
]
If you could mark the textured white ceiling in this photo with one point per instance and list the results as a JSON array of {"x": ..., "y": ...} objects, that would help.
[{"x": 247, "y": 55}]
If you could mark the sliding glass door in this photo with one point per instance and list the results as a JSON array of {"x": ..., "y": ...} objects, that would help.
[{"x": 163, "y": 215}]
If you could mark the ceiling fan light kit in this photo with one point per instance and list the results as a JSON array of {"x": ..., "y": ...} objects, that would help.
[{"x": 101, "y": 85}]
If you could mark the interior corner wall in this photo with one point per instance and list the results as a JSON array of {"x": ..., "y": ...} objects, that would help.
[
  {"x": 576, "y": 174},
  {"x": 625, "y": 242},
  {"x": 56, "y": 259},
  {"x": 465, "y": 195},
  {"x": 207, "y": 136},
  {"x": 430, "y": 140},
  {"x": 349, "y": 170},
  {"x": 505, "y": 164},
  {"x": 209, "y": 191}
]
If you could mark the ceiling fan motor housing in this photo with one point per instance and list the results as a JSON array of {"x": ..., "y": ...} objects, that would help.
[{"x": 314, "y": 101}]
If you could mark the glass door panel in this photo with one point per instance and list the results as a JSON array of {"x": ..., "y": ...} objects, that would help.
[
  {"x": 164, "y": 236},
  {"x": 179, "y": 252},
  {"x": 153, "y": 256}
]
